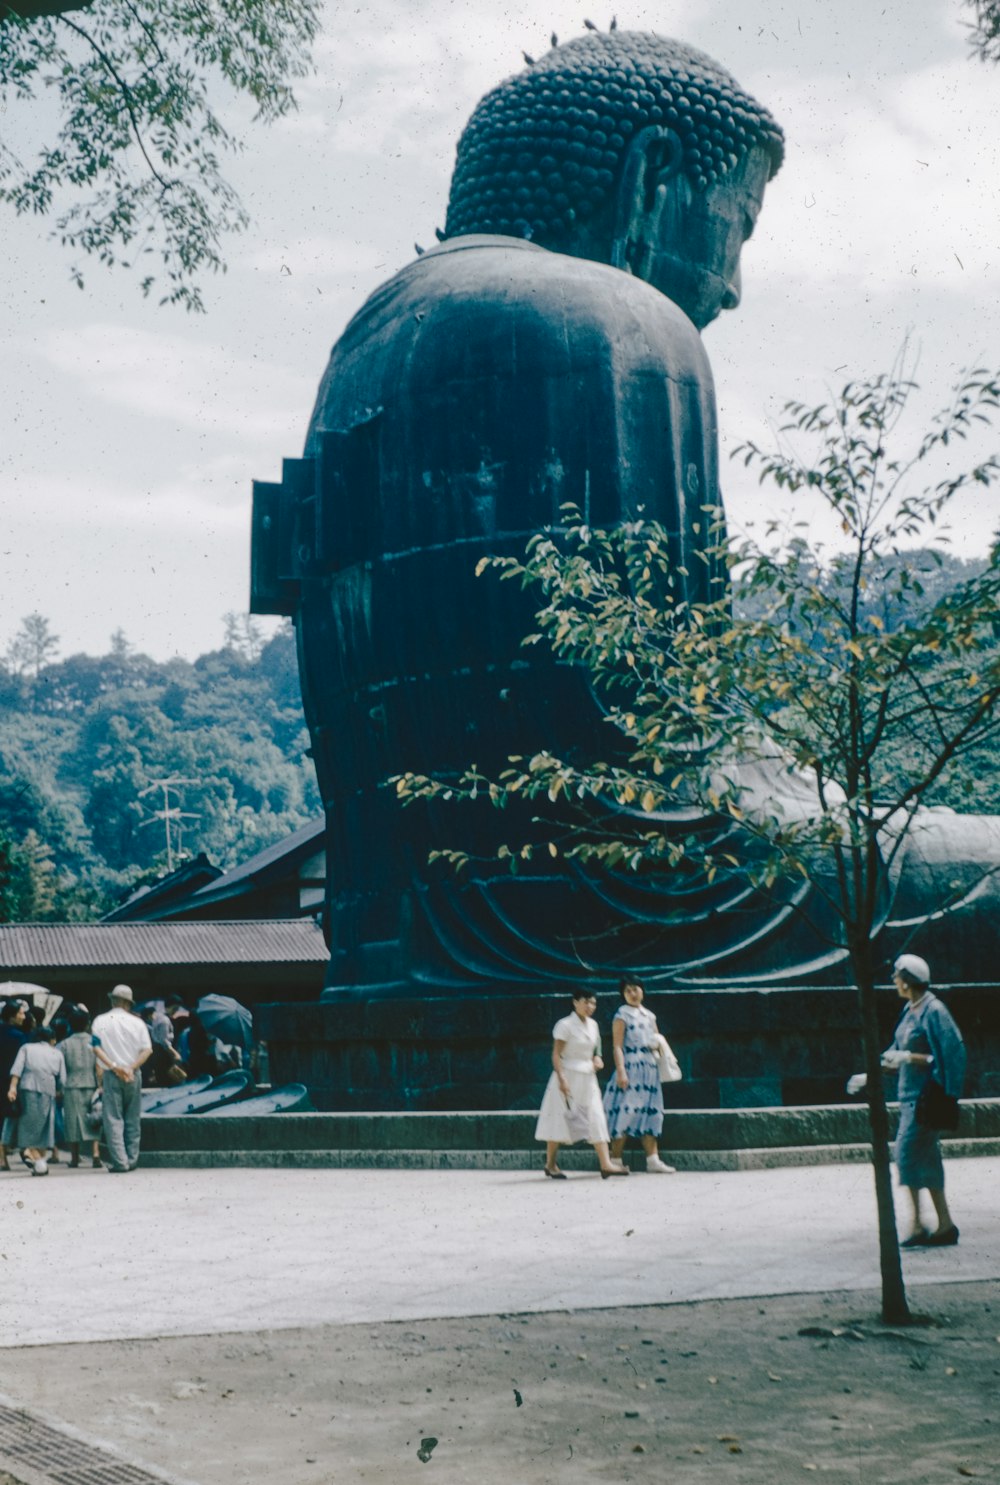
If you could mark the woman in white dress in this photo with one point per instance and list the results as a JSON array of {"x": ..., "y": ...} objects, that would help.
[{"x": 572, "y": 1109}]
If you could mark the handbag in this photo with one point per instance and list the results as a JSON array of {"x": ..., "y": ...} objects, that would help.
[
  {"x": 577, "y": 1122},
  {"x": 93, "y": 1120},
  {"x": 670, "y": 1068},
  {"x": 937, "y": 1109},
  {"x": 14, "y": 1110}
]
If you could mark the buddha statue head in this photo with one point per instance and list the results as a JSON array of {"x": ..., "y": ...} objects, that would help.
[{"x": 625, "y": 148}]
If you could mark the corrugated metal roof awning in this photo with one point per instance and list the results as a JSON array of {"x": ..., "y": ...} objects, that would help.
[{"x": 97, "y": 945}]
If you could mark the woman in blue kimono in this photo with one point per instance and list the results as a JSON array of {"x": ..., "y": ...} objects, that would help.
[{"x": 927, "y": 1044}]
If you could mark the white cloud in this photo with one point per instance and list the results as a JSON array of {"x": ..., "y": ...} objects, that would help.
[
  {"x": 407, "y": 79},
  {"x": 165, "y": 575},
  {"x": 184, "y": 382},
  {"x": 887, "y": 183}
]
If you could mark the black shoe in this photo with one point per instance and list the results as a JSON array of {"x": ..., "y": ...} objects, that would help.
[
  {"x": 916, "y": 1240},
  {"x": 554, "y": 1175},
  {"x": 946, "y": 1239}
]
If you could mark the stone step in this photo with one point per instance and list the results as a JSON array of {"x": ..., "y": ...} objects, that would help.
[
  {"x": 572, "y": 1160},
  {"x": 695, "y": 1139}
]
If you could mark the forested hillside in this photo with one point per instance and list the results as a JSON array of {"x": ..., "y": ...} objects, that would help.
[{"x": 89, "y": 746}]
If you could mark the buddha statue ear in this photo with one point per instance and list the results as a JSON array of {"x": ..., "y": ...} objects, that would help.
[{"x": 654, "y": 158}]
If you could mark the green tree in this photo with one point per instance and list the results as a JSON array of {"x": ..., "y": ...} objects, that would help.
[
  {"x": 133, "y": 173},
  {"x": 244, "y": 635},
  {"x": 34, "y": 882},
  {"x": 33, "y": 646},
  {"x": 985, "y": 29},
  {"x": 114, "y": 810},
  {"x": 871, "y": 708},
  {"x": 28, "y": 888}
]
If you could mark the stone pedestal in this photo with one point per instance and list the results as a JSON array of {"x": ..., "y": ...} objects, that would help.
[{"x": 738, "y": 1048}]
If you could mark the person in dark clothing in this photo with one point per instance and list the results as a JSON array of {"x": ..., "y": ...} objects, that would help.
[
  {"x": 204, "y": 1052},
  {"x": 12, "y": 1039},
  {"x": 157, "y": 1072}
]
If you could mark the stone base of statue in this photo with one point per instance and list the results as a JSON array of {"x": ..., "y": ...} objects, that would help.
[
  {"x": 748, "y": 1032},
  {"x": 745, "y": 1048}
]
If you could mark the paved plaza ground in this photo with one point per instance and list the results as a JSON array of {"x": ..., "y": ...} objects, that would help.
[{"x": 319, "y": 1326}]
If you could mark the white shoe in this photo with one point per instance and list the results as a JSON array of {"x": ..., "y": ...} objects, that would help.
[
  {"x": 39, "y": 1168},
  {"x": 659, "y": 1167}
]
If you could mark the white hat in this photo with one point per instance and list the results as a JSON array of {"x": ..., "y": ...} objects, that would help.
[
  {"x": 122, "y": 992},
  {"x": 914, "y": 966}
]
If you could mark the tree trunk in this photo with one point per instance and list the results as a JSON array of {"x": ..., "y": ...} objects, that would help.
[{"x": 895, "y": 1310}]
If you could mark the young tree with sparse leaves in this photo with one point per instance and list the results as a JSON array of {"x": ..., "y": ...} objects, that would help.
[
  {"x": 33, "y": 646},
  {"x": 866, "y": 711},
  {"x": 244, "y": 635},
  {"x": 133, "y": 174}
]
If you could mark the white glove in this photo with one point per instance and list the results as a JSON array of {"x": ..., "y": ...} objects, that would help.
[
  {"x": 892, "y": 1059},
  {"x": 856, "y": 1082}
]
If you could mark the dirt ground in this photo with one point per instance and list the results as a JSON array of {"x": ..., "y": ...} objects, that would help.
[{"x": 763, "y": 1390}]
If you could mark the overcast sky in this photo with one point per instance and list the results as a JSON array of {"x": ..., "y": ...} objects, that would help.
[{"x": 129, "y": 434}]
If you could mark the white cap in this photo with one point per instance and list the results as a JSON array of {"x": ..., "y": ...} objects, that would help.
[
  {"x": 914, "y": 966},
  {"x": 122, "y": 992}
]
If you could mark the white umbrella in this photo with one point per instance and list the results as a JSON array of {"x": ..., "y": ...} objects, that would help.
[{"x": 37, "y": 996}]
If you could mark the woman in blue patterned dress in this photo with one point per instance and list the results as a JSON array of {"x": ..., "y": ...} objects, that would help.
[{"x": 633, "y": 1099}]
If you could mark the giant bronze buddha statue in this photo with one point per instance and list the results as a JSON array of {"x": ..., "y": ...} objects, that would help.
[{"x": 547, "y": 350}]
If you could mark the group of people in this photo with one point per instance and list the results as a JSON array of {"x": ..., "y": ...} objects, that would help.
[
  {"x": 183, "y": 1046},
  {"x": 632, "y": 1105},
  {"x": 67, "y": 1061},
  {"x": 927, "y": 1047},
  {"x": 70, "y": 1061}
]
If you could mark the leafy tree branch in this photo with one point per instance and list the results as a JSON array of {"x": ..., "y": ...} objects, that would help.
[{"x": 133, "y": 175}]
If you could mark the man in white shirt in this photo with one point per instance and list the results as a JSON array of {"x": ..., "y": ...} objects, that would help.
[{"x": 122, "y": 1044}]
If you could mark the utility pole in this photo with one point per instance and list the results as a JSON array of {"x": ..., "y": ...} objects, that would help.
[{"x": 170, "y": 812}]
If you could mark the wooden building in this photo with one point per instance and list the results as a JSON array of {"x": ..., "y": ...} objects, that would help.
[{"x": 286, "y": 880}]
